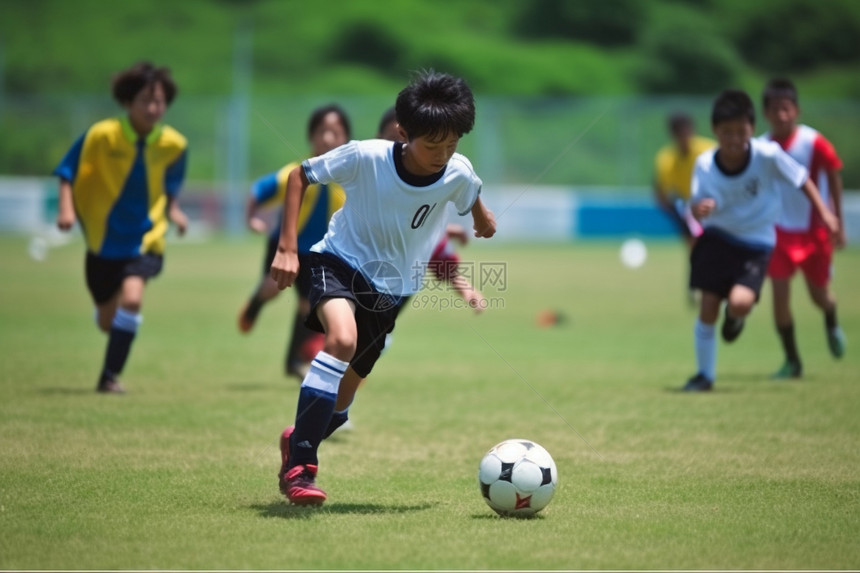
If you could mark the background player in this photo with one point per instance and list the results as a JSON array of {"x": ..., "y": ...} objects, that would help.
[
  {"x": 802, "y": 239},
  {"x": 737, "y": 190},
  {"x": 673, "y": 170},
  {"x": 396, "y": 197},
  {"x": 328, "y": 127},
  {"x": 121, "y": 179}
]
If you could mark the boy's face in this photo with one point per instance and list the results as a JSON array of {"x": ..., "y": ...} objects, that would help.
[
  {"x": 782, "y": 114},
  {"x": 426, "y": 157},
  {"x": 733, "y": 136},
  {"x": 392, "y": 132},
  {"x": 147, "y": 108},
  {"x": 329, "y": 134}
]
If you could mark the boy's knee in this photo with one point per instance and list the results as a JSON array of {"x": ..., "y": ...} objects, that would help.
[
  {"x": 740, "y": 308},
  {"x": 341, "y": 345}
]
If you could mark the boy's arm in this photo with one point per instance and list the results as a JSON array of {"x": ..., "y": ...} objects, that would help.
[
  {"x": 811, "y": 191},
  {"x": 255, "y": 223},
  {"x": 285, "y": 266},
  {"x": 834, "y": 183},
  {"x": 66, "y": 210},
  {"x": 176, "y": 215},
  {"x": 484, "y": 220}
]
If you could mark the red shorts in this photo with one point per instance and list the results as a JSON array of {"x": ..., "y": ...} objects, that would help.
[
  {"x": 811, "y": 251},
  {"x": 444, "y": 262}
]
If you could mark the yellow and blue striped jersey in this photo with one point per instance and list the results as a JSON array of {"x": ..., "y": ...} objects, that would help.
[
  {"x": 318, "y": 205},
  {"x": 674, "y": 171},
  {"x": 121, "y": 184}
]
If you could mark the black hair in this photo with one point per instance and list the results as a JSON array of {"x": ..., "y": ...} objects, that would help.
[
  {"x": 678, "y": 121},
  {"x": 733, "y": 104},
  {"x": 435, "y": 104},
  {"x": 779, "y": 88},
  {"x": 142, "y": 75},
  {"x": 388, "y": 116},
  {"x": 318, "y": 115}
]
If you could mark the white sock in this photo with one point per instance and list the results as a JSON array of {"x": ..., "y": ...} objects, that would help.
[
  {"x": 324, "y": 374},
  {"x": 706, "y": 348}
]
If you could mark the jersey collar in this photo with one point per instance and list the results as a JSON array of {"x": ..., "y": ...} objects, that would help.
[{"x": 130, "y": 134}]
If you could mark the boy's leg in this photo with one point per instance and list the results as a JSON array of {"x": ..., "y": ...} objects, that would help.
[
  {"x": 792, "y": 368},
  {"x": 295, "y": 363},
  {"x": 123, "y": 329},
  {"x": 739, "y": 304},
  {"x": 265, "y": 291},
  {"x": 823, "y": 298},
  {"x": 320, "y": 387},
  {"x": 705, "y": 342},
  {"x": 346, "y": 394}
]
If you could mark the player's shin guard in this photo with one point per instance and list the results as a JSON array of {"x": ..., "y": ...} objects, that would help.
[
  {"x": 706, "y": 348},
  {"x": 122, "y": 332},
  {"x": 316, "y": 405}
]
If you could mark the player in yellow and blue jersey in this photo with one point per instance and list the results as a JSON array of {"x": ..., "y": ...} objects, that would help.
[
  {"x": 328, "y": 128},
  {"x": 120, "y": 180}
]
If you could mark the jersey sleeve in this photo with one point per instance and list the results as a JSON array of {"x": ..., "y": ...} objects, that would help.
[
  {"x": 464, "y": 201},
  {"x": 824, "y": 154},
  {"x": 340, "y": 165},
  {"x": 265, "y": 188},
  {"x": 174, "y": 175},
  {"x": 787, "y": 168},
  {"x": 68, "y": 167}
]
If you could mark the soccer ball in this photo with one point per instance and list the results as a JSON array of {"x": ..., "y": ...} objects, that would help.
[{"x": 517, "y": 478}]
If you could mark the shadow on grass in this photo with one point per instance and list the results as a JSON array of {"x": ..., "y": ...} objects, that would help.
[
  {"x": 495, "y": 517},
  {"x": 286, "y": 511}
]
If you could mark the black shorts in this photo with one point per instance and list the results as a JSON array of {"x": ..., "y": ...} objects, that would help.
[
  {"x": 375, "y": 312},
  {"x": 105, "y": 276},
  {"x": 302, "y": 283},
  {"x": 718, "y": 264}
]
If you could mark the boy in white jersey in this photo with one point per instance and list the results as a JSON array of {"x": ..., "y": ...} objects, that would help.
[
  {"x": 736, "y": 196},
  {"x": 395, "y": 210},
  {"x": 802, "y": 240}
]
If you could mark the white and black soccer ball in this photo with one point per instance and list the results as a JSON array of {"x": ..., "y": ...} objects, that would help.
[{"x": 517, "y": 478}]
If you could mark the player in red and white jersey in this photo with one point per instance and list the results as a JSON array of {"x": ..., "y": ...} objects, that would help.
[{"x": 803, "y": 242}]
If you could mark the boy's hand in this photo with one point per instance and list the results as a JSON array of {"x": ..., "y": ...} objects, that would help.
[
  {"x": 703, "y": 208},
  {"x": 839, "y": 240},
  {"x": 66, "y": 219},
  {"x": 832, "y": 223},
  {"x": 485, "y": 225},
  {"x": 285, "y": 268},
  {"x": 257, "y": 225},
  {"x": 457, "y": 233},
  {"x": 180, "y": 219}
]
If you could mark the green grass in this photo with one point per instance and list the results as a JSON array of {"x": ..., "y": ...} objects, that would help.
[{"x": 180, "y": 473}]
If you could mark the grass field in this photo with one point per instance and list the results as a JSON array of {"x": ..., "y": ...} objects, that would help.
[{"x": 180, "y": 473}]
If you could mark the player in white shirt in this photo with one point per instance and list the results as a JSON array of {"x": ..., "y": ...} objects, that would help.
[
  {"x": 802, "y": 240},
  {"x": 396, "y": 195},
  {"x": 735, "y": 196}
]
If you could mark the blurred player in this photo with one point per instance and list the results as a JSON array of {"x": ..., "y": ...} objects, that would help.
[
  {"x": 121, "y": 179},
  {"x": 673, "y": 171},
  {"x": 802, "y": 239},
  {"x": 328, "y": 128},
  {"x": 394, "y": 213},
  {"x": 737, "y": 194},
  {"x": 444, "y": 262}
]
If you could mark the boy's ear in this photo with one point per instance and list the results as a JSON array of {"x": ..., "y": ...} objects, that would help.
[{"x": 402, "y": 133}]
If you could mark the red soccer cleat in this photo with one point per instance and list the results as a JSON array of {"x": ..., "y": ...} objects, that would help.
[{"x": 298, "y": 485}]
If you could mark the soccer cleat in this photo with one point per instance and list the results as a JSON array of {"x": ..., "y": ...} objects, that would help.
[
  {"x": 298, "y": 485},
  {"x": 246, "y": 321},
  {"x": 285, "y": 448},
  {"x": 788, "y": 370},
  {"x": 732, "y": 327},
  {"x": 698, "y": 383},
  {"x": 109, "y": 386},
  {"x": 836, "y": 342}
]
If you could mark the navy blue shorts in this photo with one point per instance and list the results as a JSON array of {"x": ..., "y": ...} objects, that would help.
[
  {"x": 105, "y": 276},
  {"x": 375, "y": 312},
  {"x": 719, "y": 264}
]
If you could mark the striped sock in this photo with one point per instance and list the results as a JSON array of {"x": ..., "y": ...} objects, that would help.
[
  {"x": 316, "y": 406},
  {"x": 706, "y": 349}
]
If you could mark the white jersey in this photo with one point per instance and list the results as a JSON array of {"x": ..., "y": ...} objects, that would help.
[
  {"x": 810, "y": 149},
  {"x": 387, "y": 228},
  {"x": 748, "y": 203}
]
